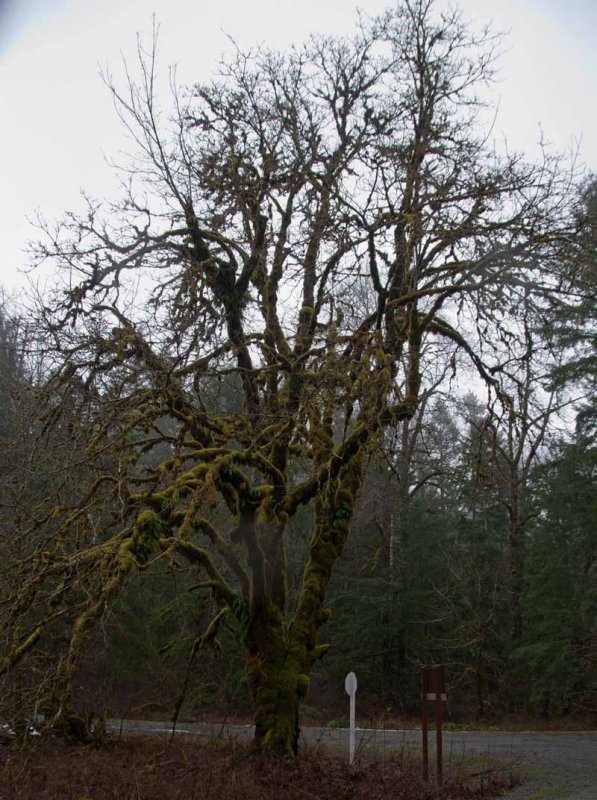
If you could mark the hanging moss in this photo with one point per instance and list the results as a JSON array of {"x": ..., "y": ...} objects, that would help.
[{"x": 144, "y": 542}]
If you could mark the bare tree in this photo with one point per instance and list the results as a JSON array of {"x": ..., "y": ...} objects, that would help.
[
  {"x": 250, "y": 220},
  {"x": 515, "y": 437}
]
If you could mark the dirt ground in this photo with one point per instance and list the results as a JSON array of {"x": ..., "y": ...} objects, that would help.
[{"x": 151, "y": 769}]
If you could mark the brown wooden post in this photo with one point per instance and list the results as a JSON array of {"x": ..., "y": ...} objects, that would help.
[
  {"x": 424, "y": 693},
  {"x": 440, "y": 688},
  {"x": 433, "y": 688}
]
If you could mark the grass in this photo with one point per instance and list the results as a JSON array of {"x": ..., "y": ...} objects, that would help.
[{"x": 195, "y": 769}]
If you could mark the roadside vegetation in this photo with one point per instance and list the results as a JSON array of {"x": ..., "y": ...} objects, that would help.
[{"x": 153, "y": 770}]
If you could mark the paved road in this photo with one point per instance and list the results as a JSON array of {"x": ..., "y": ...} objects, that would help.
[{"x": 555, "y": 765}]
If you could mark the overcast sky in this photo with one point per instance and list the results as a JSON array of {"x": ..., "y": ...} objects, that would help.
[{"x": 57, "y": 121}]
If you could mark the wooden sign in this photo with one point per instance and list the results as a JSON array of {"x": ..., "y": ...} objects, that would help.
[{"x": 433, "y": 689}]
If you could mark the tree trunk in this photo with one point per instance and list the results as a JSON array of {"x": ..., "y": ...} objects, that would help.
[
  {"x": 480, "y": 686},
  {"x": 275, "y": 691},
  {"x": 276, "y": 674},
  {"x": 515, "y": 556},
  {"x": 280, "y": 655}
]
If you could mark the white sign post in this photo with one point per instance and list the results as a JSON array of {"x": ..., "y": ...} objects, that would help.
[{"x": 350, "y": 684}]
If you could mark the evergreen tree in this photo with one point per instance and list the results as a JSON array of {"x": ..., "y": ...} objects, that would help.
[{"x": 559, "y": 657}]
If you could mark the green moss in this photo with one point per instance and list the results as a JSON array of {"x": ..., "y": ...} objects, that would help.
[
  {"x": 302, "y": 685},
  {"x": 305, "y": 315},
  {"x": 20, "y": 651},
  {"x": 144, "y": 542},
  {"x": 265, "y": 512}
]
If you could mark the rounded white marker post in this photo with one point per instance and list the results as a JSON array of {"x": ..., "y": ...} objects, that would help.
[{"x": 350, "y": 685}]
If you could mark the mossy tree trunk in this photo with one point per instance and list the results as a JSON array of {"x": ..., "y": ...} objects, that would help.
[
  {"x": 277, "y": 683},
  {"x": 280, "y": 655}
]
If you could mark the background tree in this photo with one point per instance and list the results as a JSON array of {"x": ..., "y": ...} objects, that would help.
[
  {"x": 251, "y": 220},
  {"x": 13, "y": 370},
  {"x": 560, "y": 641},
  {"x": 572, "y": 321}
]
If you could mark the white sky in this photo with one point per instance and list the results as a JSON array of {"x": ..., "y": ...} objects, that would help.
[{"x": 57, "y": 122}]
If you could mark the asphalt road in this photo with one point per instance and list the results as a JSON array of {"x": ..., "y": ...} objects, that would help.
[{"x": 554, "y": 766}]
